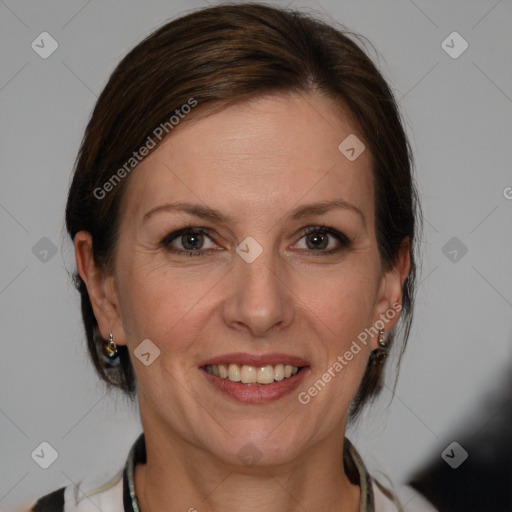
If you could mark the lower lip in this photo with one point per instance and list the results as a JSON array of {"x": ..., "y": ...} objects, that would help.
[{"x": 257, "y": 393}]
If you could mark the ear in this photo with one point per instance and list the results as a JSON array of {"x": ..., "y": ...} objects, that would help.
[
  {"x": 389, "y": 299},
  {"x": 101, "y": 289}
]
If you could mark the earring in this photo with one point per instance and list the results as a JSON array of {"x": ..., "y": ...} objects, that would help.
[
  {"x": 382, "y": 342},
  {"x": 111, "y": 347},
  {"x": 378, "y": 355}
]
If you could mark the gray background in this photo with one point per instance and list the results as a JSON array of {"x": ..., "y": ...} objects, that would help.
[{"x": 458, "y": 114}]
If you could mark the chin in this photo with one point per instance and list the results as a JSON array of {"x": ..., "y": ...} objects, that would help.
[{"x": 260, "y": 447}]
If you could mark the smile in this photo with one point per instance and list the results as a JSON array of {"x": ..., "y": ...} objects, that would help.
[{"x": 246, "y": 374}]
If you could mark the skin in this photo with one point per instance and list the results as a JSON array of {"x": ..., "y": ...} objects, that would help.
[{"x": 255, "y": 161}]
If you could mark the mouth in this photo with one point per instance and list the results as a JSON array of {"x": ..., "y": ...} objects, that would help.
[
  {"x": 255, "y": 379},
  {"x": 259, "y": 375}
]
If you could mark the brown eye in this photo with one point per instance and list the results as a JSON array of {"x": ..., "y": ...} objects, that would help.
[
  {"x": 324, "y": 240},
  {"x": 190, "y": 241},
  {"x": 317, "y": 240}
]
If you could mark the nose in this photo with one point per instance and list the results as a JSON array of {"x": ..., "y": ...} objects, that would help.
[{"x": 259, "y": 300}]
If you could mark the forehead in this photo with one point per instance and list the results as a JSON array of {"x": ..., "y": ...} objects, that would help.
[{"x": 272, "y": 151}]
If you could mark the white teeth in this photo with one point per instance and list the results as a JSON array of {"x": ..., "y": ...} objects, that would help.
[
  {"x": 234, "y": 373},
  {"x": 265, "y": 375},
  {"x": 223, "y": 371},
  {"x": 251, "y": 374},
  {"x": 279, "y": 372}
]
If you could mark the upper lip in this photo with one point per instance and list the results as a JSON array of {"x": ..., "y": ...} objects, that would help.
[{"x": 256, "y": 359}]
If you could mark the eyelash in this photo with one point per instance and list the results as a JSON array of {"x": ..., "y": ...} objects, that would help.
[{"x": 343, "y": 240}]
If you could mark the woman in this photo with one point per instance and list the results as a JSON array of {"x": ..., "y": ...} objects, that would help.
[{"x": 244, "y": 221}]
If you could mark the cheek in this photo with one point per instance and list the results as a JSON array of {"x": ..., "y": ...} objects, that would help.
[
  {"x": 340, "y": 313},
  {"x": 343, "y": 299},
  {"x": 159, "y": 303}
]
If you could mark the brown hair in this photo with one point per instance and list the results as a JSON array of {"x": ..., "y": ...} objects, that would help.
[{"x": 217, "y": 56}]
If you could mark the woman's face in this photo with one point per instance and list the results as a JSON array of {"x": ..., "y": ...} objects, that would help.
[{"x": 252, "y": 288}]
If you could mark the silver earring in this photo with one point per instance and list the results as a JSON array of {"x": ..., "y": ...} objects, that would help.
[{"x": 111, "y": 347}]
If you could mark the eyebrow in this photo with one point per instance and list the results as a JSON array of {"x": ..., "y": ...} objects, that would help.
[{"x": 205, "y": 212}]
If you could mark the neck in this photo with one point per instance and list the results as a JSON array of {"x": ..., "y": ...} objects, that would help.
[{"x": 181, "y": 477}]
